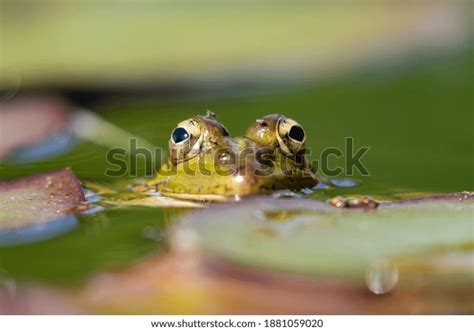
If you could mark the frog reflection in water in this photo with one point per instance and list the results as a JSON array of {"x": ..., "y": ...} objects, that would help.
[{"x": 205, "y": 160}]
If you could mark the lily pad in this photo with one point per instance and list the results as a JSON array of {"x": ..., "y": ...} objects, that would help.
[
  {"x": 310, "y": 237},
  {"x": 300, "y": 256},
  {"x": 213, "y": 42},
  {"x": 38, "y": 207},
  {"x": 34, "y": 128},
  {"x": 297, "y": 256}
]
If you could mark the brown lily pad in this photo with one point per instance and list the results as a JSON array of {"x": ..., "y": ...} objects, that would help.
[
  {"x": 27, "y": 120},
  {"x": 30, "y": 206}
]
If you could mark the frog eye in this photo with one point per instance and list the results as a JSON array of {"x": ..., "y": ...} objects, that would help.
[
  {"x": 296, "y": 133},
  {"x": 291, "y": 136},
  {"x": 186, "y": 130},
  {"x": 185, "y": 139},
  {"x": 180, "y": 135},
  {"x": 276, "y": 130}
]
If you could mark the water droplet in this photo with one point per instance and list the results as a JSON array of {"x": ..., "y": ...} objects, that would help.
[
  {"x": 91, "y": 209},
  {"x": 307, "y": 191},
  {"x": 343, "y": 182},
  {"x": 381, "y": 276},
  {"x": 321, "y": 186}
]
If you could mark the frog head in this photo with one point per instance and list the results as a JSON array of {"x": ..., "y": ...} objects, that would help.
[{"x": 204, "y": 159}]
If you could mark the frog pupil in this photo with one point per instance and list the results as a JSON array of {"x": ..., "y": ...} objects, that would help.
[
  {"x": 296, "y": 133},
  {"x": 179, "y": 135}
]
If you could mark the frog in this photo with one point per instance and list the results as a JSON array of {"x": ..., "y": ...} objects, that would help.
[{"x": 205, "y": 160}]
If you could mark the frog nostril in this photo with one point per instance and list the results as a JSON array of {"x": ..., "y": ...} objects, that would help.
[
  {"x": 179, "y": 135},
  {"x": 296, "y": 133}
]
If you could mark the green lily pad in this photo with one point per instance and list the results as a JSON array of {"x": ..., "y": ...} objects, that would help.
[
  {"x": 164, "y": 41},
  {"x": 310, "y": 237}
]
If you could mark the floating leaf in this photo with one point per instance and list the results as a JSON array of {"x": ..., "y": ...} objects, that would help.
[
  {"x": 201, "y": 275},
  {"x": 39, "y": 206},
  {"x": 34, "y": 128},
  {"x": 312, "y": 238},
  {"x": 301, "y": 256},
  {"x": 215, "y": 41}
]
